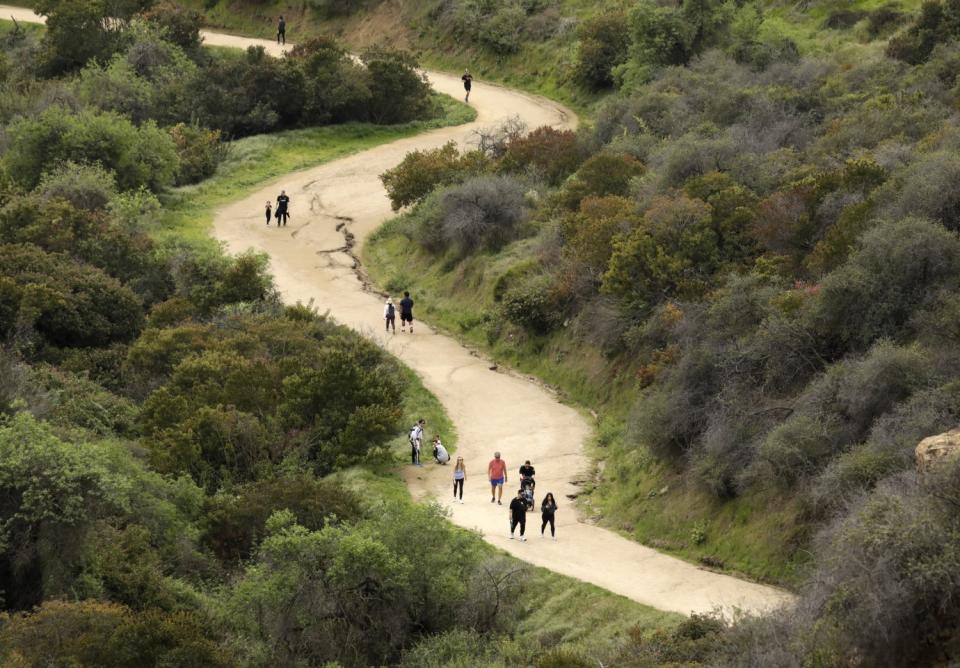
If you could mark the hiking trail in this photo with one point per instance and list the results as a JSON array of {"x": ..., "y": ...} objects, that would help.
[{"x": 334, "y": 208}]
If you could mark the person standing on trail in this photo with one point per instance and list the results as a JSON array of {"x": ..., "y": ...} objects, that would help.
[
  {"x": 467, "y": 79},
  {"x": 459, "y": 477},
  {"x": 548, "y": 509},
  {"x": 390, "y": 315},
  {"x": 518, "y": 515},
  {"x": 269, "y": 212},
  {"x": 283, "y": 208},
  {"x": 497, "y": 473},
  {"x": 416, "y": 440},
  {"x": 282, "y": 31},
  {"x": 406, "y": 312}
]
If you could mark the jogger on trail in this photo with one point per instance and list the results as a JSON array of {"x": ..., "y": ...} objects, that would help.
[
  {"x": 390, "y": 315},
  {"x": 497, "y": 473},
  {"x": 459, "y": 478},
  {"x": 548, "y": 509},
  {"x": 416, "y": 440},
  {"x": 406, "y": 312},
  {"x": 281, "y": 31},
  {"x": 518, "y": 515},
  {"x": 269, "y": 212},
  {"x": 283, "y": 212},
  {"x": 467, "y": 79}
]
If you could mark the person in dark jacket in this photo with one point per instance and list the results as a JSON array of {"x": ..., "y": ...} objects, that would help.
[
  {"x": 281, "y": 31},
  {"x": 283, "y": 208},
  {"x": 548, "y": 509},
  {"x": 518, "y": 515}
]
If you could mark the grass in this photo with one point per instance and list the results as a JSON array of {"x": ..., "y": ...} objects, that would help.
[{"x": 253, "y": 162}]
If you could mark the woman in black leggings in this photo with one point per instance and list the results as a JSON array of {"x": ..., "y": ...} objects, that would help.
[
  {"x": 548, "y": 509},
  {"x": 459, "y": 477}
]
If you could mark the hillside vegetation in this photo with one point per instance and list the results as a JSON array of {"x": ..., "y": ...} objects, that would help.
[
  {"x": 191, "y": 472},
  {"x": 747, "y": 264}
]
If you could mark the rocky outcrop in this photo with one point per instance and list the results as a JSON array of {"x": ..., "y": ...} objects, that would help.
[{"x": 937, "y": 448}]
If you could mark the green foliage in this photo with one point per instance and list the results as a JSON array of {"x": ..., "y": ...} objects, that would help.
[
  {"x": 604, "y": 44},
  {"x": 672, "y": 36},
  {"x": 421, "y": 172},
  {"x": 199, "y": 152},
  {"x": 234, "y": 524},
  {"x": 399, "y": 92},
  {"x": 65, "y": 303},
  {"x": 548, "y": 152},
  {"x": 230, "y": 404},
  {"x": 94, "y": 633},
  {"x": 303, "y": 585},
  {"x": 100, "y": 22},
  {"x": 143, "y": 156}
]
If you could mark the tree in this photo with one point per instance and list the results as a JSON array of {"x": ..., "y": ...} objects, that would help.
[
  {"x": 144, "y": 156},
  {"x": 399, "y": 92},
  {"x": 604, "y": 44}
]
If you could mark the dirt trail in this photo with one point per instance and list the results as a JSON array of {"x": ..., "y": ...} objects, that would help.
[{"x": 492, "y": 410}]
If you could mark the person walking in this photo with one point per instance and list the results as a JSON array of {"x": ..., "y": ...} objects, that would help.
[
  {"x": 406, "y": 312},
  {"x": 269, "y": 212},
  {"x": 459, "y": 478},
  {"x": 390, "y": 315},
  {"x": 283, "y": 208},
  {"x": 467, "y": 79},
  {"x": 282, "y": 31},
  {"x": 497, "y": 474},
  {"x": 548, "y": 509},
  {"x": 518, "y": 515},
  {"x": 416, "y": 440}
]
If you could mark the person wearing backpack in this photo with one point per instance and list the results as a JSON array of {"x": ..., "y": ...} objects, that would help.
[
  {"x": 390, "y": 315},
  {"x": 416, "y": 440}
]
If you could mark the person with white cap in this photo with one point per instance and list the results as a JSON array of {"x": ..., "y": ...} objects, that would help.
[{"x": 390, "y": 315}]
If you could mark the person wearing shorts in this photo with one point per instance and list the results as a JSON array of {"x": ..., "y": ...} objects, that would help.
[
  {"x": 406, "y": 312},
  {"x": 497, "y": 473}
]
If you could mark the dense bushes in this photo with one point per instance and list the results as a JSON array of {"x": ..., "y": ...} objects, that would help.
[
  {"x": 230, "y": 405},
  {"x": 143, "y": 156}
]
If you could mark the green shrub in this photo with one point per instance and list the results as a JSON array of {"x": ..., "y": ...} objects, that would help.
[
  {"x": 143, "y": 156},
  {"x": 199, "y": 152},
  {"x": 421, "y": 172},
  {"x": 604, "y": 43},
  {"x": 485, "y": 212}
]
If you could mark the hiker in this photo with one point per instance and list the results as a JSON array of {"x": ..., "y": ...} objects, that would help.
[
  {"x": 548, "y": 509},
  {"x": 518, "y": 515},
  {"x": 390, "y": 315},
  {"x": 282, "y": 31},
  {"x": 467, "y": 83},
  {"x": 497, "y": 473},
  {"x": 406, "y": 312},
  {"x": 459, "y": 477},
  {"x": 439, "y": 452},
  {"x": 269, "y": 213},
  {"x": 416, "y": 440},
  {"x": 283, "y": 212}
]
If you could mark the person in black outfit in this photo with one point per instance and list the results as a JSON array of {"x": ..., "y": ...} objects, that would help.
[
  {"x": 406, "y": 312},
  {"x": 548, "y": 509},
  {"x": 281, "y": 31},
  {"x": 269, "y": 212},
  {"x": 527, "y": 470},
  {"x": 467, "y": 79},
  {"x": 518, "y": 515},
  {"x": 283, "y": 212}
]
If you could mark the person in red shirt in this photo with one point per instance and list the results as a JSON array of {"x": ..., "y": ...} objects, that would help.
[{"x": 497, "y": 472}]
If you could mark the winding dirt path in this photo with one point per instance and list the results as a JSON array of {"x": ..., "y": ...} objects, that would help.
[{"x": 491, "y": 410}]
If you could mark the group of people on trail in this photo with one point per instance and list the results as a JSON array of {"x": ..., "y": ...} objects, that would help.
[
  {"x": 440, "y": 454},
  {"x": 523, "y": 502},
  {"x": 406, "y": 313},
  {"x": 283, "y": 209}
]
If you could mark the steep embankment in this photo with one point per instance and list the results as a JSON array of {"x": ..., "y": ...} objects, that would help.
[{"x": 334, "y": 208}]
